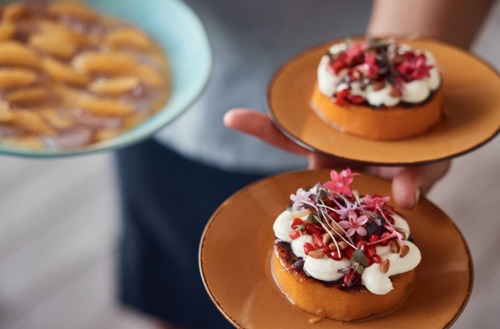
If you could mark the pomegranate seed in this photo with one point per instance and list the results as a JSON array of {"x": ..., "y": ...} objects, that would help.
[
  {"x": 370, "y": 251},
  {"x": 314, "y": 228},
  {"x": 384, "y": 236},
  {"x": 336, "y": 255},
  {"x": 376, "y": 259},
  {"x": 341, "y": 96},
  {"x": 296, "y": 222},
  {"x": 374, "y": 237},
  {"x": 294, "y": 234},
  {"x": 361, "y": 243},
  {"x": 308, "y": 247},
  {"x": 349, "y": 251},
  {"x": 357, "y": 99},
  {"x": 325, "y": 250},
  {"x": 337, "y": 66},
  {"x": 318, "y": 240},
  {"x": 349, "y": 277}
]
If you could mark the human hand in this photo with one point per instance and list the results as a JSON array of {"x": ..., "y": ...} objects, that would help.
[{"x": 407, "y": 182}]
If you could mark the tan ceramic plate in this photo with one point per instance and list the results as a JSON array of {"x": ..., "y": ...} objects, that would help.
[
  {"x": 471, "y": 94},
  {"x": 236, "y": 249}
]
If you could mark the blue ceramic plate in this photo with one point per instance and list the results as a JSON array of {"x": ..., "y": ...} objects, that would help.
[{"x": 178, "y": 30}]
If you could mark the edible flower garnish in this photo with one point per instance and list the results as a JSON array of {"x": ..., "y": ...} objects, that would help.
[
  {"x": 354, "y": 224},
  {"x": 341, "y": 182},
  {"x": 344, "y": 224}
]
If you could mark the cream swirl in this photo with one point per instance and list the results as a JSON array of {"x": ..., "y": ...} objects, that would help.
[{"x": 328, "y": 269}]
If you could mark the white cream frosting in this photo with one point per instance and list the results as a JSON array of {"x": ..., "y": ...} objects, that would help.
[
  {"x": 284, "y": 221},
  {"x": 327, "y": 269},
  {"x": 380, "y": 283},
  {"x": 412, "y": 92}
]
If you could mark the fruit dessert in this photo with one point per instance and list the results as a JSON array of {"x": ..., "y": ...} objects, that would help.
[
  {"x": 378, "y": 89},
  {"x": 342, "y": 255},
  {"x": 71, "y": 76}
]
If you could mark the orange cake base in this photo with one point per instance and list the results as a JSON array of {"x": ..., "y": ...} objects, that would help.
[
  {"x": 385, "y": 123},
  {"x": 331, "y": 300}
]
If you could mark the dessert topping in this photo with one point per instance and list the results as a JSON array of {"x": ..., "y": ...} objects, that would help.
[
  {"x": 380, "y": 72},
  {"x": 344, "y": 236}
]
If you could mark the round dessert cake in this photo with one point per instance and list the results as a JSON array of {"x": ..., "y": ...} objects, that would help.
[
  {"x": 341, "y": 255},
  {"x": 378, "y": 89}
]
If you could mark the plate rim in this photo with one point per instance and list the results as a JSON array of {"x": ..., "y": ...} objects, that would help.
[
  {"x": 290, "y": 61},
  {"x": 233, "y": 320},
  {"x": 136, "y": 135}
]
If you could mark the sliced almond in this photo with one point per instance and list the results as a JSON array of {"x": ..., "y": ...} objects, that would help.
[
  {"x": 404, "y": 250},
  {"x": 384, "y": 266},
  {"x": 393, "y": 92},
  {"x": 378, "y": 85},
  {"x": 318, "y": 254},
  {"x": 394, "y": 246},
  {"x": 326, "y": 239}
]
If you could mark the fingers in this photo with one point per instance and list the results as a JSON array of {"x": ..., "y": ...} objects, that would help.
[
  {"x": 259, "y": 125},
  {"x": 409, "y": 182}
]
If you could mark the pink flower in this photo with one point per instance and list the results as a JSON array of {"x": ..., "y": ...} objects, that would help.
[
  {"x": 354, "y": 224},
  {"x": 341, "y": 183},
  {"x": 300, "y": 198},
  {"x": 355, "y": 51},
  {"x": 343, "y": 211},
  {"x": 370, "y": 65},
  {"x": 374, "y": 202}
]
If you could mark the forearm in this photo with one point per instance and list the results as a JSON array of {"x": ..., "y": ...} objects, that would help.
[{"x": 453, "y": 21}]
